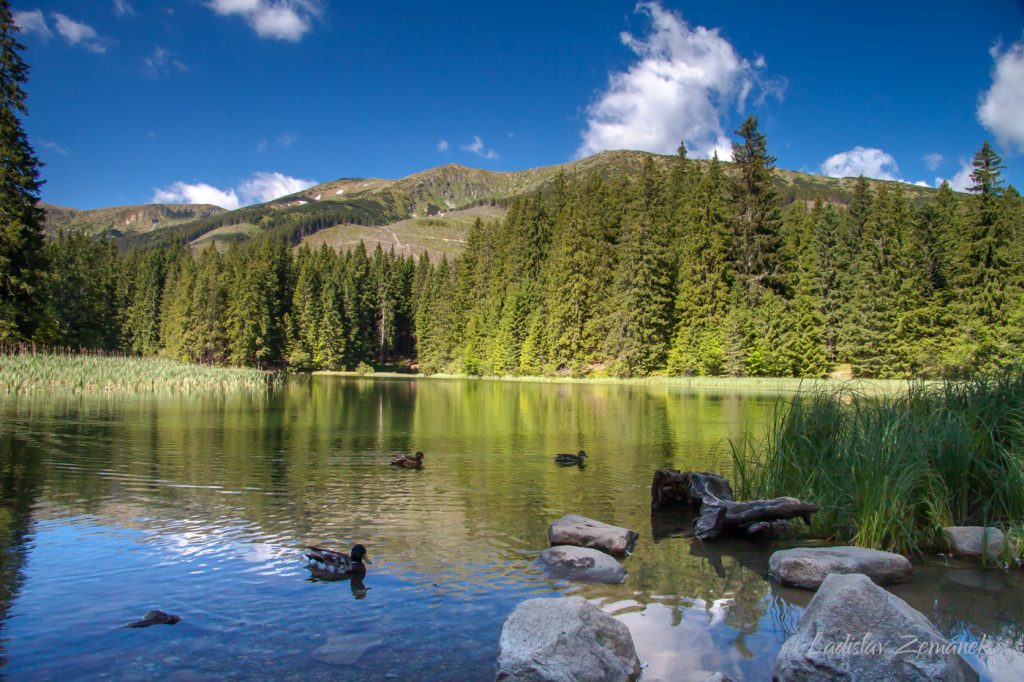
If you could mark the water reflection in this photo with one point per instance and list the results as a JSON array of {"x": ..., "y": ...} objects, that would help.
[{"x": 201, "y": 507}]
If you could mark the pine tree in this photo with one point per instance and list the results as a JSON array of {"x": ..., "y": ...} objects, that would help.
[
  {"x": 22, "y": 263},
  {"x": 984, "y": 274},
  {"x": 758, "y": 217},
  {"x": 644, "y": 296},
  {"x": 704, "y": 278}
]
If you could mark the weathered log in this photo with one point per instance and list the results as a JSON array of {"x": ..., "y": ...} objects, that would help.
[{"x": 718, "y": 512}]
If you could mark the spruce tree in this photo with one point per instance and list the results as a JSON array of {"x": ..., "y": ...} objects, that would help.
[
  {"x": 758, "y": 216},
  {"x": 22, "y": 263}
]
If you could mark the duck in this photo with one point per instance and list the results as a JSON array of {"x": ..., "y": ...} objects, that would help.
[
  {"x": 327, "y": 564},
  {"x": 576, "y": 459},
  {"x": 408, "y": 461}
]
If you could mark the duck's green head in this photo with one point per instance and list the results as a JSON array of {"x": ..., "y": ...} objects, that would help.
[
  {"x": 359, "y": 554},
  {"x": 418, "y": 456},
  {"x": 581, "y": 454}
]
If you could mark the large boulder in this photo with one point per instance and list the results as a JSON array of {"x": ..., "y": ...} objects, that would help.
[
  {"x": 583, "y": 532},
  {"x": 855, "y": 630},
  {"x": 565, "y": 640},
  {"x": 972, "y": 542},
  {"x": 806, "y": 567},
  {"x": 581, "y": 564}
]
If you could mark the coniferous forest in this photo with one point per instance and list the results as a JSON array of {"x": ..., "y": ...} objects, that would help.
[{"x": 685, "y": 271}]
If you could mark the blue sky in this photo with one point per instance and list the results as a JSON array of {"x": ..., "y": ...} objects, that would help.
[{"x": 233, "y": 101}]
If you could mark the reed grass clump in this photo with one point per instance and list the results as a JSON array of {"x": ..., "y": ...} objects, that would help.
[
  {"x": 889, "y": 471},
  {"x": 23, "y": 372}
]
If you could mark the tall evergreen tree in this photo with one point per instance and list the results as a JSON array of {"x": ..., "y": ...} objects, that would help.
[
  {"x": 758, "y": 216},
  {"x": 21, "y": 218}
]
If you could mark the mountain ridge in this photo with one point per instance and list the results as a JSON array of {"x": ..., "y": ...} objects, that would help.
[{"x": 384, "y": 211}]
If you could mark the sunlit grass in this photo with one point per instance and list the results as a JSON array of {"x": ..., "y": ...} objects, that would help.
[
  {"x": 30, "y": 372},
  {"x": 889, "y": 471}
]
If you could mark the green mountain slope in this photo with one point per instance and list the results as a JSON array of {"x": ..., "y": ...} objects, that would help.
[
  {"x": 428, "y": 211},
  {"x": 125, "y": 220}
]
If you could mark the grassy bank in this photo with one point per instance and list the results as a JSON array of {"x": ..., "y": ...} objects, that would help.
[
  {"x": 889, "y": 471},
  {"x": 746, "y": 384},
  {"x": 22, "y": 373}
]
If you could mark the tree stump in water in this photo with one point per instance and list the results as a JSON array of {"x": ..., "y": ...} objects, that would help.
[{"x": 718, "y": 512}]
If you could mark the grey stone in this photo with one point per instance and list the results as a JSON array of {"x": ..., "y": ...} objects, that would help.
[
  {"x": 580, "y": 531},
  {"x": 968, "y": 542},
  {"x": 346, "y": 649},
  {"x": 581, "y": 564},
  {"x": 806, "y": 567},
  {"x": 855, "y": 630},
  {"x": 565, "y": 640}
]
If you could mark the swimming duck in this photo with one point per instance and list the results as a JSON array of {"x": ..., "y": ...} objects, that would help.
[
  {"x": 326, "y": 564},
  {"x": 408, "y": 461},
  {"x": 571, "y": 459}
]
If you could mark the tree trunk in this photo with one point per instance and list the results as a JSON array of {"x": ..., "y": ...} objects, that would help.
[{"x": 710, "y": 498}]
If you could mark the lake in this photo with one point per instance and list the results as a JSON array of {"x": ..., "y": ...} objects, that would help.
[{"x": 200, "y": 506}]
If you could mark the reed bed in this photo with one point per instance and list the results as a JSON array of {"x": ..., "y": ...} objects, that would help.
[
  {"x": 23, "y": 372},
  {"x": 890, "y": 470}
]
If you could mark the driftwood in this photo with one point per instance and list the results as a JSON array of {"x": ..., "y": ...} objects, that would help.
[{"x": 717, "y": 511}]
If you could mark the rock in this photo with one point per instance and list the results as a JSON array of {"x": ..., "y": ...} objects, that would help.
[
  {"x": 155, "y": 617},
  {"x": 346, "y": 649},
  {"x": 583, "y": 532},
  {"x": 806, "y": 567},
  {"x": 969, "y": 542},
  {"x": 855, "y": 630},
  {"x": 565, "y": 640},
  {"x": 581, "y": 564},
  {"x": 187, "y": 675}
]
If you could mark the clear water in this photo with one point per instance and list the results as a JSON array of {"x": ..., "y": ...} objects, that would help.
[{"x": 111, "y": 506}]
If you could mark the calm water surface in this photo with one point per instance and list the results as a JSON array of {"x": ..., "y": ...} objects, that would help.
[{"x": 110, "y": 507}]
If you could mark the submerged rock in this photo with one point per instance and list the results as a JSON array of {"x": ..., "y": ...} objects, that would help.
[
  {"x": 855, "y": 630},
  {"x": 346, "y": 649},
  {"x": 806, "y": 567},
  {"x": 581, "y": 564},
  {"x": 565, "y": 640},
  {"x": 155, "y": 617},
  {"x": 580, "y": 531},
  {"x": 973, "y": 542}
]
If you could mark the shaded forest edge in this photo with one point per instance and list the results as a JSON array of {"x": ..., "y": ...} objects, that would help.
[{"x": 673, "y": 271}]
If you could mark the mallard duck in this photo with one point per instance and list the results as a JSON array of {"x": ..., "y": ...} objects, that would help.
[
  {"x": 326, "y": 564},
  {"x": 571, "y": 459},
  {"x": 408, "y": 461}
]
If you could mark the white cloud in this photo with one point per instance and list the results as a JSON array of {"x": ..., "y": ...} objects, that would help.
[
  {"x": 442, "y": 145},
  {"x": 79, "y": 34},
  {"x": 961, "y": 182},
  {"x": 162, "y": 61},
  {"x": 272, "y": 19},
  {"x": 933, "y": 161},
  {"x": 54, "y": 147},
  {"x": 123, "y": 8},
  {"x": 922, "y": 183},
  {"x": 287, "y": 139},
  {"x": 262, "y": 187},
  {"x": 33, "y": 23},
  {"x": 1001, "y": 109},
  {"x": 199, "y": 193},
  {"x": 683, "y": 86},
  {"x": 866, "y": 161},
  {"x": 259, "y": 188},
  {"x": 477, "y": 147}
]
